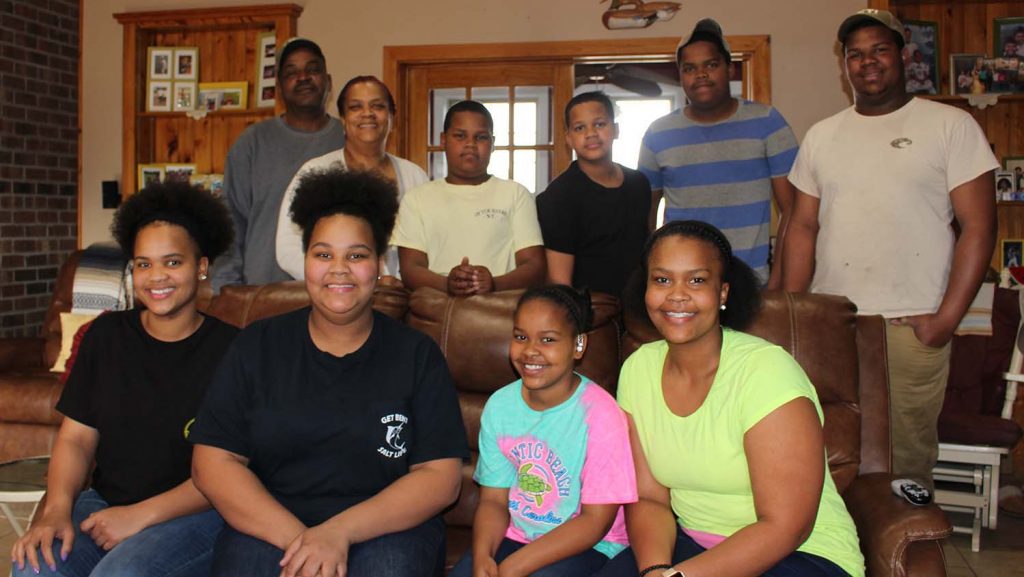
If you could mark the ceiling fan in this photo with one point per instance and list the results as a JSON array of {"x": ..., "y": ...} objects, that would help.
[{"x": 640, "y": 79}]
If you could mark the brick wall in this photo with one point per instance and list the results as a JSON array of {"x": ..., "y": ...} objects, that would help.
[{"x": 39, "y": 53}]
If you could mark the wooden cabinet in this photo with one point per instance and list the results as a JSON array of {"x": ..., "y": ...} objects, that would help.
[
  {"x": 227, "y": 39},
  {"x": 965, "y": 26}
]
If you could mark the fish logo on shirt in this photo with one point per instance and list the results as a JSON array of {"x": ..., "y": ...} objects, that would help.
[
  {"x": 392, "y": 438},
  {"x": 394, "y": 446}
]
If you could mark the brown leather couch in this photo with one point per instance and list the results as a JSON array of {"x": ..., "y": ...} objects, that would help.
[{"x": 843, "y": 354}]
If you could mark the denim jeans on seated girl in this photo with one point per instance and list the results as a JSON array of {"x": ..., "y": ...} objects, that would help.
[{"x": 181, "y": 547}]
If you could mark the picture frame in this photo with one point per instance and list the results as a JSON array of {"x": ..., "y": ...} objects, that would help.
[
  {"x": 266, "y": 70},
  {"x": 208, "y": 100},
  {"x": 1006, "y": 31},
  {"x": 148, "y": 174},
  {"x": 159, "y": 63},
  {"x": 965, "y": 73},
  {"x": 213, "y": 183},
  {"x": 1005, "y": 186},
  {"x": 179, "y": 172},
  {"x": 184, "y": 96},
  {"x": 158, "y": 96},
  {"x": 1011, "y": 250},
  {"x": 1015, "y": 166},
  {"x": 921, "y": 56},
  {"x": 232, "y": 95},
  {"x": 186, "y": 63}
]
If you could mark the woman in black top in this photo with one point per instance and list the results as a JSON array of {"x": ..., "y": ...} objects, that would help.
[
  {"x": 128, "y": 404},
  {"x": 331, "y": 438}
]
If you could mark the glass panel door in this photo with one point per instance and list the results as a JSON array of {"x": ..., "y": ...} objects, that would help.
[{"x": 521, "y": 98}]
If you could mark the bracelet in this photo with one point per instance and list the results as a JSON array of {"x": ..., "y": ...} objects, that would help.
[{"x": 653, "y": 568}]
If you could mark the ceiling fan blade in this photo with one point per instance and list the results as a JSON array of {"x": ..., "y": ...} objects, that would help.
[{"x": 634, "y": 84}]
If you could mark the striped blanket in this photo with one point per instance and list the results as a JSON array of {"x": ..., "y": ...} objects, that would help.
[{"x": 102, "y": 281}]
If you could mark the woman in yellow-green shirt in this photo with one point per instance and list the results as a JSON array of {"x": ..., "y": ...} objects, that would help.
[{"x": 726, "y": 430}]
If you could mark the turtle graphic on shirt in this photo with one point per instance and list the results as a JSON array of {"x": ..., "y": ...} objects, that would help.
[{"x": 533, "y": 486}]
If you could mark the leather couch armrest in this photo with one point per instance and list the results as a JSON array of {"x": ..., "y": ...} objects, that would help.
[
  {"x": 22, "y": 353},
  {"x": 887, "y": 525}
]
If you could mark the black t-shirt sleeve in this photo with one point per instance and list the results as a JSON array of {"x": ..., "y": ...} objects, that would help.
[
  {"x": 440, "y": 432},
  {"x": 76, "y": 401},
  {"x": 223, "y": 414},
  {"x": 557, "y": 217}
]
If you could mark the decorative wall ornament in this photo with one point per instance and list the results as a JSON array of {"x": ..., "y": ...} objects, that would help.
[{"x": 624, "y": 14}]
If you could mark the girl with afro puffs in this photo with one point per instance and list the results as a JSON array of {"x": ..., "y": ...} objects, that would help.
[{"x": 128, "y": 405}]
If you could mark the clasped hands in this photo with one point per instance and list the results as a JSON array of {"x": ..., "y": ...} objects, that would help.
[
  {"x": 468, "y": 279},
  {"x": 320, "y": 551}
]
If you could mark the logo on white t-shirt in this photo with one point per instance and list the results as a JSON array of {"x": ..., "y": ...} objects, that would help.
[
  {"x": 901, "y": 143},
  {"x": 394, "y": 446}
]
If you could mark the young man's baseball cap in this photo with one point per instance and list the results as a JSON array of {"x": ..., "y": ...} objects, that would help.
[
  {"x": 297, "y": 43},
  {"x": 871, "y": 17},
  {"x": 706, "y": 30}
]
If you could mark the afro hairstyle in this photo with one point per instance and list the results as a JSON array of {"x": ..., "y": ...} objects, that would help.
[
  {"x": 202, "y": 215},
  {"x": 327, "y": 192}
]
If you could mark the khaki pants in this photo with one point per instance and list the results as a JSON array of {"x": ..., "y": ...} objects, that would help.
[{"x": 917, "y": 387}]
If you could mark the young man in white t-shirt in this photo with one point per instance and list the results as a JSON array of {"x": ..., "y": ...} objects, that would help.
[
  {"x": 471, "y": 232},
  {"x": 879, "y": 184}
]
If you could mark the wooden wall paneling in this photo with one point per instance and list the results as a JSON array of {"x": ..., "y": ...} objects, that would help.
[
  {"x": 209, "y": 56},
  {"x": 976, "y": 28},
  {"x": 187, "y": 141},
  {"x": 144, "y": 147},
  {"x": 1015, "y": 128},
  {"x": 218, "y": 143},
  {"x": 165, "y": 139},
  {"x": 997, "y": 130},
  {"x": 202, "y": 155}
]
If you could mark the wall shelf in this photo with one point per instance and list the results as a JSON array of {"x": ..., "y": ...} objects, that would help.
[{"x": 227, "y": 40}]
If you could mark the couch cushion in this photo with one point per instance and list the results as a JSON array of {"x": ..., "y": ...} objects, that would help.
[{"x": 29, "y": 396}]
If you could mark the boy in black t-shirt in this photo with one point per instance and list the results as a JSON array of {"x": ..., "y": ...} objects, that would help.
[{"x": 594, "y": 216}]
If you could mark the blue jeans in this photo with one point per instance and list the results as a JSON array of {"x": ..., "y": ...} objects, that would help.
[
  {"x": 580, "y": 565},
  {"x": 181, "y": 547},
  {"x": 796, "y": 564},
  {"x": 416, "y": 552}
]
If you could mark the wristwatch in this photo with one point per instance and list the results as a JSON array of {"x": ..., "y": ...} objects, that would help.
[{"x": 673, "y": 573}]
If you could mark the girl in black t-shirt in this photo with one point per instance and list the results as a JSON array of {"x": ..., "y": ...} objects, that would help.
[
  {"x": 331, "y": 439},
  {"x": 128, "y": 403}
]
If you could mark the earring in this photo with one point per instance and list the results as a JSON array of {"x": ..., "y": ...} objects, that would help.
[
  {"x": 579, "y": 343},
  {"x": 202, "y": 276},
  {"x": 722, "y": 307}
]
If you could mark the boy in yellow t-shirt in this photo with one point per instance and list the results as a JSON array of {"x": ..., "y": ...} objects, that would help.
[{"x": 471, "y": 232}]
